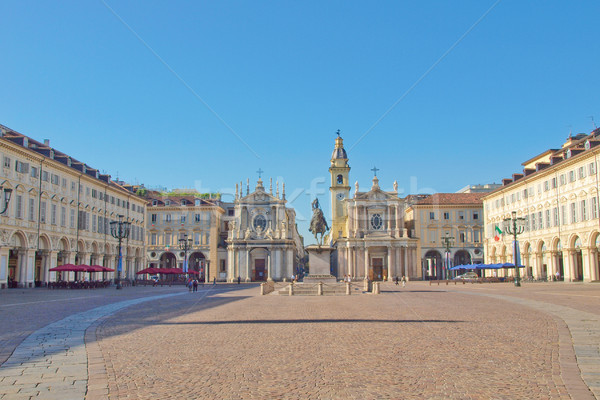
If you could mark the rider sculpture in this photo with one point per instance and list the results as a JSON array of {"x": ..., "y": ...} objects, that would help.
[{"x": 317, "y": 222}]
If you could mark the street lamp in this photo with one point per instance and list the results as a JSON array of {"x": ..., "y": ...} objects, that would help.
[
  {"x": 185, "y": 244},
  {"x": 120, "y": 230},
  {"x": 447, "y": 241},
  {"x": 7, "y": 193},
  {"x": 515, "y": 226}
]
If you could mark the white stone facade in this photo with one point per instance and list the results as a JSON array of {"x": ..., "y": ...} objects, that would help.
[{"x": 557, "y": 194}]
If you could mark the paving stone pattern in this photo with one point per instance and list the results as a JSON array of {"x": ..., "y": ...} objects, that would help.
[
  {"x": 411, "y": 344},
  {"x": 52, "y": 362}
]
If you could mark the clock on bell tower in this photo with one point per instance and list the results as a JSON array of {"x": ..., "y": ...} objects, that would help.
[{"x": 340, "y": 189}]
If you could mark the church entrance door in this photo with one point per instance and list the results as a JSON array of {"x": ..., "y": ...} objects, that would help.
[
  {"x": 259, "y": 269},
  {"x": 377, "y": 271}
]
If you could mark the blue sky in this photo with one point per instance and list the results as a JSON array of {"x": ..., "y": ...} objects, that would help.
[{"x": 244, "y": 85}]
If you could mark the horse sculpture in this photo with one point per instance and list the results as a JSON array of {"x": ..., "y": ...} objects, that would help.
[{"x": 317, "y": 222}]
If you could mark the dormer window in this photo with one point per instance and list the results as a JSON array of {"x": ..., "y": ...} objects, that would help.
[
  {"x": 183, "y": 202},
  {"x": 197, "y": 202},
  {"x": 167, "y": 202},
  {"x": 154, "y": 202}
]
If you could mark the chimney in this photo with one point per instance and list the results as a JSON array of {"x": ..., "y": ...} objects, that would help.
[{"x": 47, "y": 142}]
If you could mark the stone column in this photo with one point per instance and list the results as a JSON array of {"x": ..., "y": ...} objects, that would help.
[
  {"x": 4, "y": 254},
  {"x": 26, "y": 262},
  {"x": 289, "y": 269},
  {"x": 405, "y": 267},
  {"x": 269, "y": 276},
  {"x": 46, "y": 261},
  {"x": 248, "y": 277},
  {"x": 391, "y": 267},
  {"x": 593, "y": 275},
  {"x": 587, "y": 265},
  {"x": 388, "y": 211},
  {"x": 366, "y": 263}
]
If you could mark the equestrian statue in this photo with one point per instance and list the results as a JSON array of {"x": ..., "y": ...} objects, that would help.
[{"x": 317, "y": 222}]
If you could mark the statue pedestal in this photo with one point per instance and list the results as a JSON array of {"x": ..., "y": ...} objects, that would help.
[{"x": 319, "y": 264}]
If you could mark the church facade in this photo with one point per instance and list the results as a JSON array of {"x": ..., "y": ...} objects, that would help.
[
  {"x": 368, "y": 230},
  {"x": 263, "y": 241}
]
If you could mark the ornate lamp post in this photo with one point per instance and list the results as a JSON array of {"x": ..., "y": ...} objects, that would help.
[
  {"x": 515, "y": 226},
  {"x": 120, "y": 230},
  {"x": 447, "y": 242},
  {"x": 7, "y": 193},
  {"x": 185, "y": 244}
]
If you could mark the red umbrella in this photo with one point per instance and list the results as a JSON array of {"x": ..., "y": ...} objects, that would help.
[
  {"x": 148, "y": 271},
  {"x": 103, "y": 269},
  {"x": 65, "y": 267},
  {"x": 191, "y": 271}
]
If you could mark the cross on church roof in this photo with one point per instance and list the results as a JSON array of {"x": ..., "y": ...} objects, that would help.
[
  {"x": 259, "y": 172},
  {"x": 338, "y": 133},
  {"x": 375, "y": 169}
]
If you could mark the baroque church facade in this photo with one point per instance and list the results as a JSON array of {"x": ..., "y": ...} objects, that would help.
[
  {"x": 368, "y": 229},
  {"x": 263, "y": 240}
]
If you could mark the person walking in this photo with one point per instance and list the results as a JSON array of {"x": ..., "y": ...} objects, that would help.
[
  {"x": 239, "y": 279},
  {"x": 396, "y": 280},
  {"x": 214, "y": 280},
  {"x": 403, "y": 281},
  {"x": 195, "y": 284}
]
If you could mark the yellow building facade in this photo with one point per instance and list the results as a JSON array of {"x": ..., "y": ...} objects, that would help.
[
  {"x": 557, "y": 195},
  {"x": 59, "y": 213}
]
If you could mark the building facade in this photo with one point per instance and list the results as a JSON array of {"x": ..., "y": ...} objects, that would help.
[
  {"x": 59, "y": 213},
  {"x": 174, "y": 217},
  {"x": 263, "y": 241},
  {"x": 368, "y": 232},
  {"x": 557, "y": 195},
  {"x": 449, "y": 227}
]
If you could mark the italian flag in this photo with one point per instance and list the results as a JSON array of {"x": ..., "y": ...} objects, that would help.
[{"x": 497, "y": 232}]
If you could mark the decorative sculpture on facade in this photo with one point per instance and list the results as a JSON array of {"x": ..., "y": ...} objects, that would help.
[{"x": 317, "y": 222}]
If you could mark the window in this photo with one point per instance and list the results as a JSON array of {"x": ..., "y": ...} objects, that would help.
[
  {"x": 571, "y": 176},
  {"x": 475, "y": 215},
  {"x": 583, "y": 206},
  {"x": 93, "y": 223},
  {"x": 540, "y": 220},
  {"x": 72, "y": 186},
  {"x": 53, "y": 214},
  {"x": 6, "y": 162},
  {"x": 594, "y": 207},
  {"x": 167, "y": 202},
  {"x": 533, "y": 224},
  {"x": 530, "y": 192},
  {"x": 581, "y": 174},
  {"x": 524, "y": 193},
  {"x": 197, "y": 202},
  {"x": 432, "y": 236},
  {"x": 431, "y": 215},
  {"x": 563, "y": 212},
  {"x": 83, "y": 220},
  {"x": 153, "y": 218},
  {"x": 182, "y": 218},
  {"x": 153, "y": 239},
  {"x": 34, "y": 172},
  {"x": 167, "y": 239},
  {"x": 43, "y": 212},
  {"x": 154, "y": 202},
  {"x": 556, "y": 216},
  {"x": 548, "y": 219},
  {"x": 546, "y": 186},
  {"x": 462, "y": 237},
  {"x": 231, "y": 212},
  {"x": 55, "y": 179},
  {"x": 21, "y": 167},
  {"x": 63, "y": 216},
  {"x": 45, "y": 176},
  {"x": 573, "y": 213},
  {"x": 476, "y": 236},
  {"x": 563, "y": 180},
  {"x": 32, "y": 209},
  {"x": 554, "y": 183},
  {"x": 461, "y": 215},
  {"x": 197, "y": 218},
  {"x": 446, "y": 215},
  {"x": 72, "y": 224},
  {"x": 167, "y": 217},
  {"x": 64, "y": 183},
  {"x": 376, "y": 221},
  {"x": 340, "y": 180},
  {"x": 592, "y": 168},
  {"x": 19, "y": 207},
  {"x": 260, "y": 222},
  {"x": 196, "y": 238}
]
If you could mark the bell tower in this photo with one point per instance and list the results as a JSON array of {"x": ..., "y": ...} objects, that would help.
[{"x": 340, "y": 189}]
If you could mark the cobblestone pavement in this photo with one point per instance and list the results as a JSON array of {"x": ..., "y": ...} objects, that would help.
[
  {"x": 458, "y": 342},
  {"x": 417, "y": 342}
]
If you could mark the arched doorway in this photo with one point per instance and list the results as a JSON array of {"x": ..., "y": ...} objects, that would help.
[
  {"x": 433, "y": 265},
  {"x": 197, "y": 262},
  {"x": 462, "y": 257},
  {"x": 168, "y": 260},
  {"x": 259, "y": 264},
  {"x": 16, "y": 261}
]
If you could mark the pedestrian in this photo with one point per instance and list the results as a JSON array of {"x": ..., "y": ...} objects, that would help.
[
  {"x": 214, "y": 280},
  {"x": 195, "y": 284},
  {"x": 239, "y": 279},
  {"x": 396, "y": 280},
  {"x": 190, "y": 285},
  {"x": 557, "y": 275},
  {"x": 403, "y": 281}
]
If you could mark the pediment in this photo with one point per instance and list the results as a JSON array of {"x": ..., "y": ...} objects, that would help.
[
  {"x": 376, "y": 195},
  {"x": 259, "y": 197}
]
